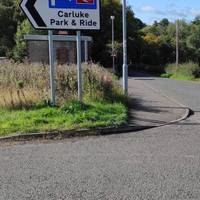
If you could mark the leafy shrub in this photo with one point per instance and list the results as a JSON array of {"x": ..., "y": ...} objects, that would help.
[
  {"x": 20, "y": 50},
  {"x": 166, "y": 75},
  {"x": 188, "y": 70},
  {"x": 170, "y": 68}
]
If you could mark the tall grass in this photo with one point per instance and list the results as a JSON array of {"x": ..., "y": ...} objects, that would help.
[
  {"x": 25, "y": 85},
  {"x": 185, "y": 71}
]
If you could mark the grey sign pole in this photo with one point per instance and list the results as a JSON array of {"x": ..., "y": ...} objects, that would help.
[
  {"x": 52, "y": 70},
  {"x": 79, "y": 70},
  {"x": 86, "y": 50},
  {"x": 125, "y": 66}
]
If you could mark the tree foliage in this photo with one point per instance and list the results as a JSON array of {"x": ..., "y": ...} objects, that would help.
[
  {"x": 10, "y": 17},
  {"x": 160, "y": 42},
  {"x": 151, "y": 45},
  {"x": 102, "y": 38},
  {"x": 20, "y": 49}
]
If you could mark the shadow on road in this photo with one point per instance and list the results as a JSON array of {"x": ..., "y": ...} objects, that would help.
[
  {"x": 142, "y": 112},
  {"x": 142, "y": 75},
  {"x": 144, "y": 105}
]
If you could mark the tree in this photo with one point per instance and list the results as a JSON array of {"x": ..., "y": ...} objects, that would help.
[
  {"x": 196, "y": 20},
  {"x": 10, "y": 16},
  {"x": 160, "y": 42},
  {"x": 20, "y": 50},
  {"x": 164, "y": 22},
  {"x": 194, "y": 42},
  {"x": 157, "y": 48},
  {"x": 103, "y": 36}
]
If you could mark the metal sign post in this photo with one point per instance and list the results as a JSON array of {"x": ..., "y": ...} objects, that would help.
[
  {"x": 79, "y": 69},
  {"x": 59, "y": 15},
  {"x": 52, "y": 70},
  {"x": 86, "y": 50}
]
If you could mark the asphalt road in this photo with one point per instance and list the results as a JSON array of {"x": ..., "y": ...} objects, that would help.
[
  {"x": 161, "y": 163},
  {"x": 186, "y": 92}
]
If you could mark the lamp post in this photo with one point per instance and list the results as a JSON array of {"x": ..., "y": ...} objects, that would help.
[
  {"x": 125, "y": 66},
  {"x": 113, "y": 40},
  {"x": 177, "y": 43}
]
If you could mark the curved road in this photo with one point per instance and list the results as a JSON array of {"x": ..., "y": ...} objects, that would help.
[
  {"x": 156, "y": 164},
  {"x": 186, "y": 92}
]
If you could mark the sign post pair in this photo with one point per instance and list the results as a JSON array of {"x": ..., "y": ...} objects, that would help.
[{"x": 63, "y": 15}]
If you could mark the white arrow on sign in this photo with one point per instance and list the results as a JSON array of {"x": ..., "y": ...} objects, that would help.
[{"x": 63, "y": 14}]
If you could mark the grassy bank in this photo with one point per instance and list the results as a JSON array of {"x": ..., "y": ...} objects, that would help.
[
  {"x": 24, "y": 99},
  {"x": 73, "y": 115},
  {"x": 187, "y": 71}
]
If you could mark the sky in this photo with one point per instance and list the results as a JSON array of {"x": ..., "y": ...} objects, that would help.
[{"x": 154, "y": 10}]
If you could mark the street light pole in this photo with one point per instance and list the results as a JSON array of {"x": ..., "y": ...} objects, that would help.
[
  {"x": 113, "y": 40},
  {"x": 125, "y": 66},
  {"x": 177, "y": 43}
]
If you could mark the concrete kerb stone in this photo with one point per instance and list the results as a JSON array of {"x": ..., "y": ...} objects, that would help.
[
  {"x": 86, "y": 132},
  {"x": 96, "y": 131},
  {"x": 73, "y": 133}
]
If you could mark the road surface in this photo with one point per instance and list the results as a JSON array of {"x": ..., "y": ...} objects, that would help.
[{"x": 161, "y": 163}]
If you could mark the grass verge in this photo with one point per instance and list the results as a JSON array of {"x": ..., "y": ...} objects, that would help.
[
  {"x": 186, "y": 71},
  {"x": 73, "y": 115}
]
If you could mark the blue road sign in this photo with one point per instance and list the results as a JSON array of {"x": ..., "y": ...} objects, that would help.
[{"x": 73, "y": 4}]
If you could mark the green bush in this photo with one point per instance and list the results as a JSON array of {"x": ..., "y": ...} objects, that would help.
[
  {"x": 189, "y": 70},
  {"x": 20, "y": 50},
  {"x": 170, "y": 68},
  {"x": 186, "y": 71},
  {"x": 166, "y": 75}
]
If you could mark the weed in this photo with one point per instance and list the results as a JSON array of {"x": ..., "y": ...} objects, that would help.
[
  {"x": 185, "y": 71},
  {"x": 25, "y": 85}
]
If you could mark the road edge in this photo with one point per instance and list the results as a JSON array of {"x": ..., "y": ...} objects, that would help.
[
  {"x": 87, "y": 132},
  {"x": 97, "y": 131},
  {"x": 188, "y": 111},
  {"x": 74, "y": 133}
]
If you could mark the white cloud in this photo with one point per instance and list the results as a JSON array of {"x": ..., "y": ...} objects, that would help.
[
  {"x": 195, "y": 12},
  {"x": 171, "y": 11},
  {"x": 150, "y": 9},
  {"x": 178, "y": 13},
  {"x": 147, "y": 9}
]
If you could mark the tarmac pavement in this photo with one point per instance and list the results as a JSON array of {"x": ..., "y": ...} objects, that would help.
[{"x": 151, "y": 107}]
